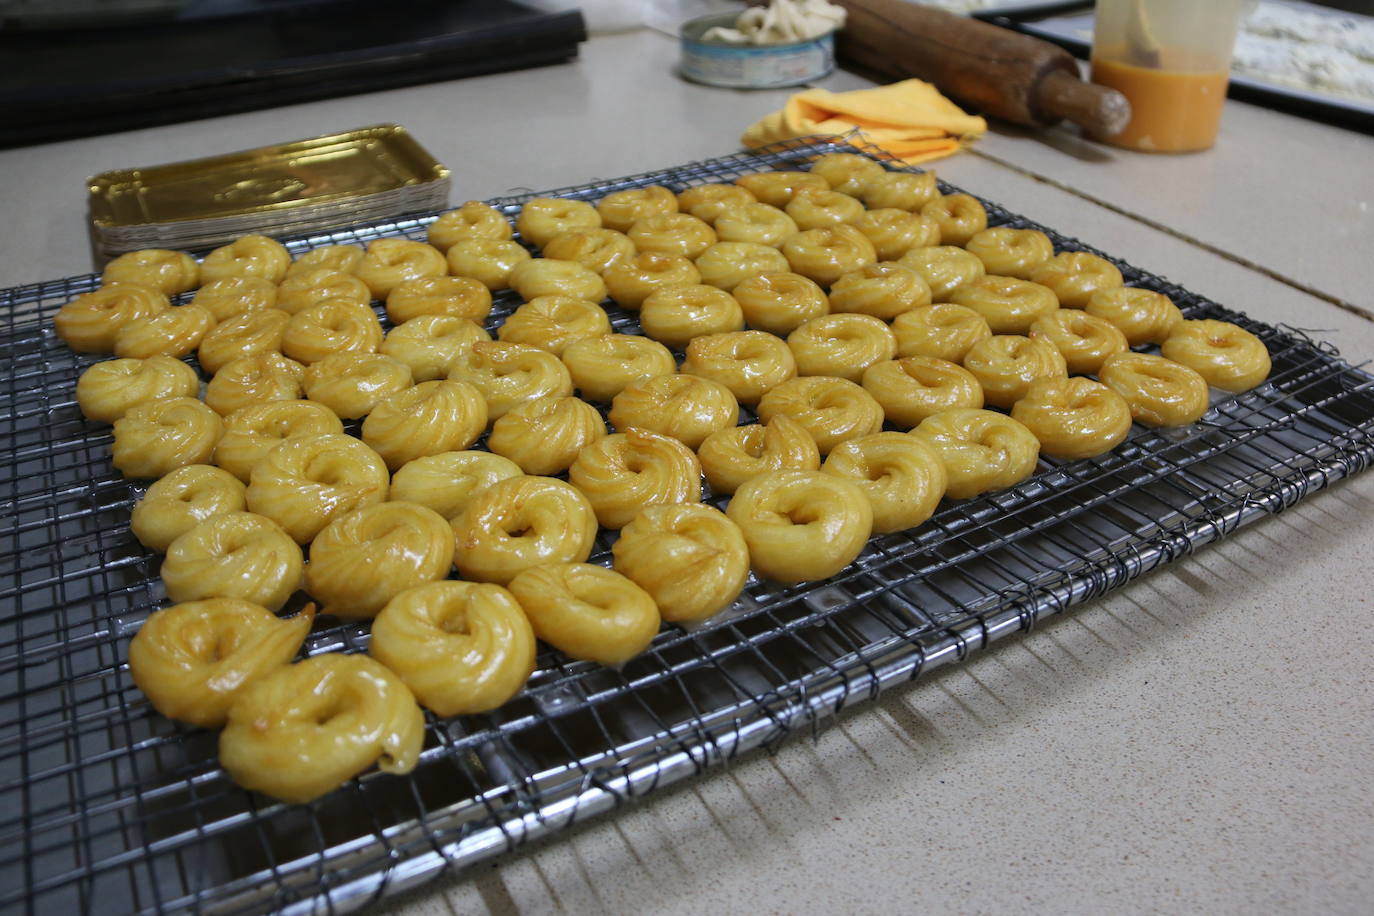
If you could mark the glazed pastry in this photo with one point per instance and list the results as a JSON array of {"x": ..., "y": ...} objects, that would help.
[
  {"x": 542, "y": 218},
  {"x": 749, "y": 363},
  {"x": 306, "y": 729},
  {"x": 901, "y": 190},
  {"x": 709, "y": 201},
  {"x": 1010, "y": 252},
  {"x": 235, "y": 295},
  {"x": 758, "y": 223},
  {"x": 731, "y": 456},
  {"x": 90, "y": 322},
  {"x": 982, "y": 450},
  {"x": 943, "y": 330},
  {"x": 553, "y": 322},
  {"x": 1006, "y": 365},
  {"x": 253, "y": 431},
  {"x": 192, "y": 660},
  {"x": 801, "y": 525},
  {"x": 959, "y": 216},
  {"x": 672, "y": 233},
  {"x": 832, "y": 410},
  {"x": 842, "y": 344},
  {"x": 1010, "y": 305},
  {"x": 815, "y": 209},
  {"x": 245, "y": 334},
  {"x": 883, "y": 290},
  {"x": 825, "y": 255},
  {"x": 173, "y": 332},
  {"x": 777, "y": 188},
  {"x": 1075, "y": 275},
  {"x": 915, "y": 387},
  {"x": 727, "y": 264},
  {"x": 945, "y": 268},
  {"x": 353, "y": 384},
  {"x": 1160, "y": 392},
  {"x": 1143, "y": 315},
  {"x": 894, "y": 232},
  {"x": 447, "y": 483},
  {"x": 428, "y": 419},
  {"x": 1225, "y": 354},
  {"x": 1074, "y": 417},
  {"x": 1085, "y": 341},
  {"x": 519, "y": 523},
  {"x": 901, "y": 475},
  {"x": 473, "y": 220},
  {"x": 488, "y": 261},
  {"x": 303, "y": 288},
  {"x": 691, "y": 559},
  {"x": 458, "y": 297},
  {"x": 547, "y": 277},
  {"x": 390, "y": 262},
  {"x": 234, "y": 555},
  {"x": 676, "y": 314},
  {"x": 622, "y": 473},
  {"x": 248, "y": 256},
  {"x": 686, "y": 407},
  {"x": 619, "y": 210},
  {"x": 330, "y": 327},
  {"x": 254, "y": 380},
  {"x": 169, "y": 272},
  {"x": 780, "y": 302},
  {"x": 630, "y": 282},
  {"x": 107, "y": 390},
  {"x": 508, "y": 374},
  {"x": 183, "y": 499},
  {"x": 601, "y": 367},
  {"x": 461, "y": 647},
  {"x": 364, "y": 558},
  {"x": 154, "y": 438},
  {"x": 848, "y": 173},
  {"x": 587, "y": 612},
  {"x": 545, "y": 435},
  {"x": 594, "y": 249},
  {"x": 430, "y": 344},
  {"x": 307, "y": 481},
  {"x": 343, "y": 258}
]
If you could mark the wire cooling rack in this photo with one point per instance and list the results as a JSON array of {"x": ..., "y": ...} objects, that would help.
[{"x": 105, "y": 806}]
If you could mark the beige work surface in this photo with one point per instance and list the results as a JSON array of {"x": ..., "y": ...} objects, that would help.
[{"x": 1200, "y": 741}]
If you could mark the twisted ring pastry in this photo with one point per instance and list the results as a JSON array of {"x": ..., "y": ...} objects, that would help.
[
  {"x": 915, "y": 387},
  {"x": 801, "y": 525},
  {"x": 307, "y": 481},
  {"x": 183, "y": 499},
  {"x": 945, "y": 268},
  {"x": 894, "y": 232},
  {"x": 306, "y": 729},
  {"x": 353, "y": 384},
  {"x": 674, "y": 315},
  {"x": 247, "y": 256},
  {"x": 234, "y": 555},
  {"x": 1008, "y": 252},
  {"x": 488, "y": 261},
  {"x": 390, "y": 262},
  {"x": 1159, "y": 391},
  {"x": 629, "y": 282},
  {"x": 731, "y": 456},
  {"x": 943, "y": 331},
  {"x": 553, "y": 322},
  {"x": 831, "y": 409},
  {"x": 244, "y": 334},
  {"x": 601, "y": 367},
  {"x": 727, "y": 264},
  {"x": 545, "y": 435},
  {"x": 431, "y": 344},
  {"x": 90, "y": 322},
  {"x": 234, "y": 295},
  {"x": 1143, "y": 315},
  {"x": 330, "y": 327},
  {"x": 169, "y": 272},
  {"x": 107, "y": 389},
  {"x": 619, "y": 210},
  {"x": 825, "y": 255},
  {"x": 709, "y": 201},
  {"x": 154, "y": 438},
  {"x": 1005, "y": 365},
  {"x": 1074, "y": 417},
  {"x": 473, "y": 220},
  {"x": 428, "y": 419},
  {"x": 542, "y": 218},
  {"x": 690, "y": 558},
  {"x": 587, "y": 612},
  {"x": 1225, "y": 354},
  {"x": 548, "y": 277},
  {"x": 622, "y": 473},
  {"x": 172, "y": 332},
  {"x": 901, "y": 190},
  {"x": 812, "y": 208},
  {"x": 446, "y": 483},
  {"x": 756, "y": 223},
  {"x": 343, "y": 258},
  {"x": 883, "y": 290},
  {"x": 252, "y": 431},
  {"x": 508, "y": 374},
  {"x": 687, "y": 407},
  {"x": 303, "y": 288},
  {"x": 1009, "y": 305},
  {"x": 959, "y": 216},
  {"x": 364, "y": 558},
  {"x": 982, "y": 450},
  {"x": 901, "y": 475},
  {"x": 749, "y": 363},
  {"x": 256, "y": 379},
  {"x": 777, "y": 188},
  {"x": 594, "y": 249},
  {"x": 1085, "y": 341},
  {"x": 1075, "y": 275},
  {"x": 842, "y": 345},
  {"x": 780, "y": 302},
  {"x": 458, "y": 297},
  {"x": 519, "y": 523},
  {"x": 848, "y": 173}
]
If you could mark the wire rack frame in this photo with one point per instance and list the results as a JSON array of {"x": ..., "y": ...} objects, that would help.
[{"x": 107, "y": 807}]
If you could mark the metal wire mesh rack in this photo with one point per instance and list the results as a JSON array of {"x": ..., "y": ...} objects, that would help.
[{"x": 105, "y": 806}]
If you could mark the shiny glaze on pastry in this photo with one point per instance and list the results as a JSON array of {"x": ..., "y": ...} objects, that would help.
[
  {"x": 831, "y": 409},
  {"x": 542, "y": 218},
  {"x": 390, "y": 262},
  {"x": 587, "y": 612},
  {"x": 173, "y": 332},
  {"x": 759, "y": 223},
  {"x": 672, "y": 233},
  {"x": 943, "y": 330},
  {"x": 1075, "y": 275},
  {"x": 1159, "y": 391},
  {"x": 631, "y": 281},
  {"x": 343, "y": 258},
  {"x": 168, "y": 272},
  {"x": 894, "y": 232},
  {"x": 234, "y": 555},
  {"x": 915, "y": 387},
  {"x": 731, "y": 456},
  {"x": 306, "y": 481},
  {"x": 1009, "y": 305},
  {"x": 1225, "y": 354},
  {"x": 709, "y": 201},
  {"x": 727, "y": 264},
  {"x": 155, "y": 438},
  {"x": 902, "y": 476},
  {"x": 749, "y": 363},
  {"x": 547, "y": 277},
  {"x": 884, "y": 290},
  {"x": 1008, "y": 252},
  {"x": 690, "y": 558},
  {"x": 1085, "y": 341},
  {"x": 959, "y": 216},
  {"x": 812, "y": 208},
  {"x": 825, "y": 255},
  {"x": 519, "y": 523},
  {"x": 619, "y": 210},
  {"x": 181, "y": 500},
  {"x": 945, "y": 268},
  {"x": 1006, "y": 365},
  {"x": 842, "y": 344},
  {"x": 545, "y": 435},
  {"x": 982, "y": 450},
  {"x": 1143, "y": 315},
  {"x": 676, "y": 314},
  {"x": 106, "y": 390},
  {"x": 90, "y": 322},
  {"x": 253, "y": 431},
  {"x": 553, "y": 322},
  {"x": 248, "y": 256},
  {"x": 488, "y": 261},
  {"x": 777, "y": 188},
  {"x": 303, "y": 288},
  {"x": 352, "y": 384},
  {"x": 244, "y": 334},
  {"x": 446, "y": 483},
  {"x": 473, "y": 220},
  {"x": 430, "y": 344},
  {"x": 330, "y": 327},
  {"x": 364, "y": 558},
  {"x": 848, "y": 173},
  {"x": 780, "y": 302},
  {"x": 900, "y": 190},
  {"x": 508, "y": 374},
  {"x": 622, "y": 473},
  {"x": 254, "y": 379},
  {"x": 801, "y": 525},
  {"x": 445, "y": 415},
  {"x": 594, "y": 249},
  {"x": 233, "y": 295},
  {"x": 1074, "y": 417},
  {"x": 601, "y": 367},
  {"x": 687, "y": 407},
  {"x": 459, "y": 297}
]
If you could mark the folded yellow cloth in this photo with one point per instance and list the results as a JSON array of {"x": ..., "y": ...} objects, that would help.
[{"x": 911, "y": 120}]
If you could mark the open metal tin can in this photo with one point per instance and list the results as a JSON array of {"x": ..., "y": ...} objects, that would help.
[{"x": 736, "y": 66}]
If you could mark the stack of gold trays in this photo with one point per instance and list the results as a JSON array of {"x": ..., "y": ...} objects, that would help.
[{"x": 296, "y": 188}]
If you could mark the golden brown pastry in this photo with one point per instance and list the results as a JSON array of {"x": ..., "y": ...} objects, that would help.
[
  {"x": 619, "y": 210},
  {"x": 343, "y": 258},
  {"x": 601, "y": 367},
  {"x": 234, "y": 295},
  {"x": 254, "y": 380},
  {"x": 777, "y": 188},
  {"x": 168, "y": 272},
  {"x": 894, "y": 232},
  {"x": 622, "y": 473},
  {"x": 547, "y": 277},
  {"x": 780, "y": 302},
  {"x": 244, "y": 334},
  {"x": 462, "y": 647},
  {"x": 1008, "y": 252},
  {"x": 812, "y": 208},
  {"x": 672, "y": 233},
  {"x": 303, "y": 288},
  {"x": 676, "y": 314},
  {"x": 330, "y": 327},
  {"x": 253, "y": 431},
  {"x": 687, "y": 407},
  {"x": 758, "y": 223},
  {"x": 708, "y": 201},
  {"x": 691, "y": 559},
  {"x": 107, "y": 390},
  {"x": 1006, "y": 365},
  {"x": 1075, "y": 275},
  {"x": 842, "y": 344},
  {"x": 594, "y": 249},
  {"x": 234, "y": 555},
  {"x": 508, "y": 374},
  {"x": 901, "y": 475},
  {"x": 473, "y": 220},
  {"x": 390, "y": 262},
  {"x": 727, "y": 264},
  {"x": 428, "y": 419},
  {"x": 183, "y": 499},
  {"x": 1143, "y": 315},
  {"x": 945, "y": 268},
  {"x": 353, "y": 384},
  {"x": 883, "y": 290},
  {"x": 1074, "y": 417},
  {"x": 943, "y": 330},
  {"x": 553, "y": 322},
  {"x": 915, "y": 387},
  {"x": 731, "y": 456},
  {"x": 430, "y": 344},
  {"x": 192, "y": 660},
  {"x": 542, "y": 218},
  {"x": 1225, "y": 354},
  {"x": 364, "y": 558},
  {"x": 982, "y": 450},
  {"x": 248, "y": 256},
  {"x": 827, "y": 254},
  {"x": 831, "y": 409},
  {"x": 306, "y": 481},
  {"x": 900, "y": 190},
  {"x": 749, "y": 363},
  {"x": 1010, "y": 305},
  {"x": 1085, "y": 341},
  {"x": 173, "y": 332},
  {"x": 458, "y": 297},
  {"x": 519, "y": 523},
  {"x": 447, "y": 483},
  {"x": 306, "y": 729},
  {"x": 587, "y": 612},
  {"x": 630, "y": 282},
  {"x": 959, "y": 216},
  {"x": 90, "y": 322},
  {"x": 488, "y": 261},
  {"x": 801, "y": 525},
  {"x": 154, "y": 438},
  {"x": 545, "y": 435},
  {"x": 1159, "y": 391},
  {"x": 848, "y": 173}
]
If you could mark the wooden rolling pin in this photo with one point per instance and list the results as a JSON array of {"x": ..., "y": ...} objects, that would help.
[{"x": 982, "y": 66}]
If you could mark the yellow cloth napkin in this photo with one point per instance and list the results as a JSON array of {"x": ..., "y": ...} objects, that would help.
[{"x": 911, "y": 120}]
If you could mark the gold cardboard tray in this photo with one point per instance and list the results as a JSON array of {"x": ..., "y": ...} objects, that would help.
[{"x": 303, "y": 173}]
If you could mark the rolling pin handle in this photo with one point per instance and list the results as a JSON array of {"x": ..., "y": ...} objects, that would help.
[{"x": 1101, "y": 111}]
